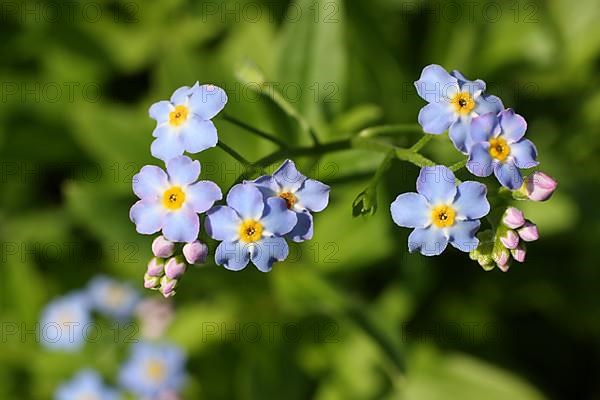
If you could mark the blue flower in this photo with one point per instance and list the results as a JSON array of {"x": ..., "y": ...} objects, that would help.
[
  {"x": 153, "y": 369},
  {"x": 184, "y": 123},
  {"x": 250, "y": 228},
  {"x": 87, "y": 384},
  {"x": 112, "y": 298},
  {"x": 453, "y": 101},
  {"x": 441, "y": 212},
  {"x": 64, "y": 321},
  {"x": 498, "y": 146},
  {"x": 172, "y": 202},
  {"x": 301, "y": 195}
]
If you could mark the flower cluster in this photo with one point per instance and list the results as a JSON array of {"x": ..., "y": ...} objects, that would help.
[
  {"x": 254, "y": 224},
  {"x": 446, "y": 211}
]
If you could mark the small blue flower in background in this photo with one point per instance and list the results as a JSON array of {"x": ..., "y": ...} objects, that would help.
[
  {"x": 250, "y": 228},
  {"x": 86, "y": 385},
  {"x": 498, "y": 146},
  {"x": 64, "y": 321},
  {"x": 453, "y": 101},
  {"x": 184, "y": 123},
  {"x": 301, "y": 195},
  {"x": 153, "y": 368},
  {"x": 112, "y": 298},
  {"x": 172, "y": 202},
  {"x": 441, "y": 212}
]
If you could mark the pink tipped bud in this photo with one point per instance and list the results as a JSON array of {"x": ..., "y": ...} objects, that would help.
[
  {"x": 195, "y": 252},
  {"x": 501, "y": 258},
  {"x": 504, "y": 267},
  {"x": 167, "y": 286},
  {"x": 519, "y": 253},
  {"x": 151, "y": 282},
  {"x": 175, "y": 268},
  {"x": 539, "y": 186},
  {"x": 510, "y": 240},
  {"x": 156, "y": 267},
  {"x": 162, "y": 247},
  {"x": 513, "y": 218},
  {"x": 529, "y": 232}
]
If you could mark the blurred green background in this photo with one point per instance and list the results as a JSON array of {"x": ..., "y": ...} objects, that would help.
[{"x": 77, "y": 79}]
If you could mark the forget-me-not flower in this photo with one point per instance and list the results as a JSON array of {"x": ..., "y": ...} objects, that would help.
[
  {"x": 86, "y": 385},
  {"x": 453, "y": 102},
  {"x": 64, "y": 321},
  {"x": 250, "y": 228},
  {"x": 301, "y": 195},
  {"x": 498, "y": 146},
  {"x": 441, "y": 212},
  {"x": 112, "y": 298},
  {"x": 172, "y": 201},
  {"x": 184, "y": 123},
  {"x": 153, "y": 368}
]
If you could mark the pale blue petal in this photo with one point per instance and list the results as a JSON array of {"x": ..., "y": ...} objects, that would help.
[
  {"x": 488, "y": 104},
  {"x": 202, "y": 195},
  {"x": 288, "y": 177},
  {"x": 160, "y": 111},
  {"x": 508, "y": 175},
  {"x": 181, "y": 226},
  {"x": 303, "y": 229},
  {"x": 460, "y": 134},
  {"x": 267, "y": 251},
  {"x": 436, "y": 118},
  {"x": 437, "y": 184},
  {"x": 513, "y": 125},
  {"x": 148, "y": 216},
  {"x": 277, "y": 219},
  {"x": 180, "y": 95},
  {"x": 429, "y": 241},
  {"x": 436, "y": 84},
  {"x": 232, "y": 255},
  {"x": 167, "y": 146},
  {"x": 484, "y": 127},
  {"x": 472, "y": 87},
  {"x": 470, "y": 201},
  {"x": 222, "y": 223},
  {"x": 313, "y": 196},
  {"x": 183, "y": 170},
  {"x": 462, "y": 235},
  {"x": 247, "y": 200},
  {"x": 198, "y": 135},
  {"x": 411, "y": 210},
  {"x": 151, "y": 181},
  {"x": 207, "y": 101},
  {"x": 480, "y": 161},
  {"x": 163, "y": 129},
  {"x": 267, "y": 185},
  {"x": 524, "y": 153}
]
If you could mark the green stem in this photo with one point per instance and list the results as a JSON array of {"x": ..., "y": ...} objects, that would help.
[
  {"x": 456, "y": 166},
  {"x": 247, "y": 164},
  {"x": 255, "y": 131},
  {"x": 399, "y": 128},
  {"x": 385, "y": 164},
  {"x": 413, "y": 158},
  {"x": 421, "y": 143}
]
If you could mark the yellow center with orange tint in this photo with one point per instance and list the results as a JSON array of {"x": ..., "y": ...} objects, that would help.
[
  {"x": 155, "y": 370},
  {"x": 443, "y": 216},
  {"x": 173, "y": 198},
  {"x": 499, "y": 149},
  {"x": 179, "y": 115},
  {"x": 463, "y": 103},
  {"x": 250, "y": 231},
  {"x": 289, "y": 198}
]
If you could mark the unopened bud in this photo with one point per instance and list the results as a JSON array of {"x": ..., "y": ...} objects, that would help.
[
  {"x": 167, "y": 286},
  {"x": 513, "y": 218},
  {"x": 539, "y": 186},
  {"x": 151, "y": 282},
  {"x": 156, "y": 267},
  {"x": 529, "y": 232},
  {"x": 175, "y": 267},
  {"x": 510, "y": 239},
  {"x": 519, "y": 253},
  {"x": 162, "y": 247},
  {"x": 195, "y": 252}
]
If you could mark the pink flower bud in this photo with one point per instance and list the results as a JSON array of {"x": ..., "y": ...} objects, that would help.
[
  {"x": 510, "y": 240},
  {"x": 151, "y": 282},
  {"x": 167, "y": 286},
  {"x": 519, "y": 253},
  {"x": 501, "y": 258},
  {"x": 540, "y": 186},
  {"x": 162, "y": 247},
  {"x": 513, "y": 218},
  {"x": 529, "y": 232},
  {"x": 195, "y": 252},
  {"x": 175, "y": 268},
  {"x": 504, "y": 267},
  {"x": 156, "y": 267}
]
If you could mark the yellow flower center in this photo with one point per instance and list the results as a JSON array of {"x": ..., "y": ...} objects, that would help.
[
  {"x": 173, "y": 198},
  {"x": 463, "y": 103},
  {"x": 251, "y": 231},
  {"x": 443, "y": 216},
  {"x": 155, "y": 370},
  {"x": 289, "y": 198},
  {"x": 179, "y": 115},
  {"x": 499, "y": 149}
]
